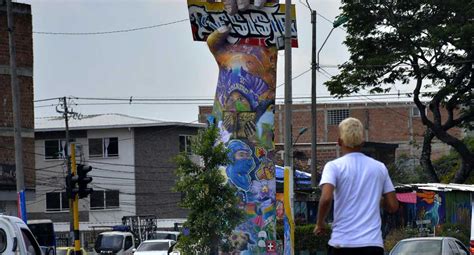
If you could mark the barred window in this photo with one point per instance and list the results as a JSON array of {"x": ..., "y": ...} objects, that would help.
[{"x": 336, "y": 116}]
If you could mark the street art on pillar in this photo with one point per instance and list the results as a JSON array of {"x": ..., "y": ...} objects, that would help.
[{"x": 244, "y": 46}]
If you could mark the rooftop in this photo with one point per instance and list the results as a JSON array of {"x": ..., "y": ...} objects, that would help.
[{"x": 104, "y": 121}]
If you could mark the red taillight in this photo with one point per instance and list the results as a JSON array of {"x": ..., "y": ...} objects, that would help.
[{"x": 471, "y": 248}]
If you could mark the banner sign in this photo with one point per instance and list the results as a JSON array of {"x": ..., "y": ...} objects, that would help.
[{"x": 262, "y": 27}]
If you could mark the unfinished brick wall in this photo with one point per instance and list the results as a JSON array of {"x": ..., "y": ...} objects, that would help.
[{"x": 24, "y": 60}]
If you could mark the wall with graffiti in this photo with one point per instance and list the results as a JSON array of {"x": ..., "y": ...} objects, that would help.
[
  {"x": 430, "y": 206},
  {"x": 458, "y": 207},
  {"x": 244, "y": 48}
]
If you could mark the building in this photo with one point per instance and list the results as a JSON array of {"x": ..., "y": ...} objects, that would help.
[
  {"x": 391, "y": 130},
  {"x": 133, "y": 172},
  {"x": 24, "y": 50}
]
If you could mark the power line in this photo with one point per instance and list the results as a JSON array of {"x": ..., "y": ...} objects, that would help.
[{"x": 109, "y": 32}]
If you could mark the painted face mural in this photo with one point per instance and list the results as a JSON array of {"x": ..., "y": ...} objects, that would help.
[{"x": 243, "y": 46}]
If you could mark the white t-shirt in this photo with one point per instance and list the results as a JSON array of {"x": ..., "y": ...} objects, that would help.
[{"x": 359, "y": 182}]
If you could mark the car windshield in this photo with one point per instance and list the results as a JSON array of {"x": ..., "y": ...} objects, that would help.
[
  {"x": 164, "y": 236},
  {"x": 154, "y": 246},
  {"x": 111, "y": 242},
  {"x": 418, "y": 247}
]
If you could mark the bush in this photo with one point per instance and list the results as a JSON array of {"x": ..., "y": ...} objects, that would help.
[
  {"x": 305, "y": 240},
  {"x": 459, "y": 231},
  {"x": 396, "y": 235}
]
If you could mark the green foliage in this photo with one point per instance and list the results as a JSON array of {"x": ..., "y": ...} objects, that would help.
[
  {"x": 447, "y": 165},
  {"x": 396, "y": 235},
  {"x": 305, "y": 240},
  {"x": 406, "y": 170},
  {"x": 459, "y": 231},
  {"x": 213, "y": 206}
]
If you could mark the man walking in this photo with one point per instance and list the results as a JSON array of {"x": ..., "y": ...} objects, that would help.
[{"x": 357, "y": 183}]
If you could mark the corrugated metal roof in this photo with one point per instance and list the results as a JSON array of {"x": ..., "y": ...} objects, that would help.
[
  {"x": 104, "y": 121},
  {"x": 438, "y": 186}
]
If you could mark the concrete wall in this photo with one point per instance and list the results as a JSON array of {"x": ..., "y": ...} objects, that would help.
[{"x": 155, "y": 172}]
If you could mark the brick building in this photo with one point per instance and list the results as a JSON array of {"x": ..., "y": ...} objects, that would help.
[
  {"x": 391, "y": 130},
  {"x": 24, "y": 49}
]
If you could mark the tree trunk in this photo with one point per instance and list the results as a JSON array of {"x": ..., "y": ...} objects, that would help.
[
  {"x": 466, "y": 156},
  {"x": 214, "y": 247},
  {"x": 463, "y": 173},
  {"x": 425, "y": 159}
]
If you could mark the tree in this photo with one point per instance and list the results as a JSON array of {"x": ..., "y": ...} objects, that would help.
[
  {"x": 425, "y": 42},
  {"x": 213, "y": 205}
]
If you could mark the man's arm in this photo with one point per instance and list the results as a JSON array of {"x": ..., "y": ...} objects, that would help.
[
  {"x": 324, "y": 206},
  {"x": 390, "y": 202}
]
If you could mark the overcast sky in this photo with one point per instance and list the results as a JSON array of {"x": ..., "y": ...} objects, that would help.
[{"x": 162, "y": 62}]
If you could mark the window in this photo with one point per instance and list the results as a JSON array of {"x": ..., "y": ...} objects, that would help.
[
  {"x": 103, "y": 147},
  {"x": 128, "y": 243},
  {"x": 54, "y": 149},
  {"x": 415, "y": 112},
  {"x": 57, "y": 201},
  {"x": 101, "y": 199},
  {"x": 3, "y": 240},
  {"x": 336, "y": 116},
  {"x": 185, "y": 143}
]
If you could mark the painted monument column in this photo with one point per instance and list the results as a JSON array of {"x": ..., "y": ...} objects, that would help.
[{"x": 244, "y": 46}]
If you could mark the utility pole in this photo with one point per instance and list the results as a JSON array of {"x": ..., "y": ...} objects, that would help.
[
  {"x": 314, "y": 127},
  {"x": 288, "y": 186},
  {"x": 16, "y": 96},
  {"x": 65, "y": 114}
]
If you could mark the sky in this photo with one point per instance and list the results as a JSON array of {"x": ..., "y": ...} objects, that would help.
[{"x": 160, "y": 62}]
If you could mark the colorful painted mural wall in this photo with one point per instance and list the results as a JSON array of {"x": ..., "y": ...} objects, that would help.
[
  {"x": 244, "y": 47},
  {"x": 430, "y": 205}
]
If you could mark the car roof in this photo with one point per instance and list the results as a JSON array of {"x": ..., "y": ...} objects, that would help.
[
  {"x": 116, "y": 233},
  {"x": 438, "y": 238},
  {"x": 158, "y": 241},
  {"x": 167, "y": 232}
]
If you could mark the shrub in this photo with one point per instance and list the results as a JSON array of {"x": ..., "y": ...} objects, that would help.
[{"x": 305, "y": 240}]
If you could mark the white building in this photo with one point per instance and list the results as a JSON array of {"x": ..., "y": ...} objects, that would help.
[{"x": 131, "y": 173}]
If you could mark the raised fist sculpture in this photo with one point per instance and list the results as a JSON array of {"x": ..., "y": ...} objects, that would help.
[{"x": 244, "y": 112}]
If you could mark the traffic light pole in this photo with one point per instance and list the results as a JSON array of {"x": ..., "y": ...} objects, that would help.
[{"x": 75, "y": 204}]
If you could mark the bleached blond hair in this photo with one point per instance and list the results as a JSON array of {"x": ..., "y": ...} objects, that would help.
[{"x": 351, "y": 132}]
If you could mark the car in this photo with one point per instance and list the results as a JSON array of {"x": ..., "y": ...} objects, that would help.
[
  {"x": 430, "y": 246},
  {"x": 67, "y": 251},
  {"x": 154, "y": 247},
  {"x": 170, "y": 235}
]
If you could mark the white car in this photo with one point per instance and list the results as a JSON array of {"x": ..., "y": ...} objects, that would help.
[
  {"x": 154, "y": 247},
  {"x": 170, "y": 235}
]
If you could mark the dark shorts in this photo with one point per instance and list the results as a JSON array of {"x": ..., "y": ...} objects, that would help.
[{"x": 368, "y": 250}]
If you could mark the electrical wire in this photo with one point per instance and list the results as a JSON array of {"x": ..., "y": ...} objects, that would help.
[{"x": 109, "y": 32}]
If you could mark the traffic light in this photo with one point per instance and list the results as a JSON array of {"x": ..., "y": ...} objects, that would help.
[
  {"x": 83, "y": 180},
  {"x": 72, "y": 185}
]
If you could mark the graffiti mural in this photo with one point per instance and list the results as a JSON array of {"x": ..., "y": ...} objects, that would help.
[
  {"x": 430, "y": 206},
  {"x": 458, "y": 207},
  {"x": 244, "y": 47}
]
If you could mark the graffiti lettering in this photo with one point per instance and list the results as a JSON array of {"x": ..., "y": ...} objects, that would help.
[{"x": 267, "y": 24}]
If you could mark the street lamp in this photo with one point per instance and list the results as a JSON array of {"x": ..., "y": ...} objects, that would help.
[
  {"x": 302, "y": 131},
  {"x": 315, "y": 67}
]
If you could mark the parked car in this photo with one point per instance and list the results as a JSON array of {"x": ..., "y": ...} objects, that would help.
[
  {"x": 68, "y": 251},
  {"x": 154, "y": 247},
  {"x": 16, "y": 237},
  {"x": 116, "y": 242},
  {"x": 430, "y": 246},
  {"x": 170, "y": 235}
]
